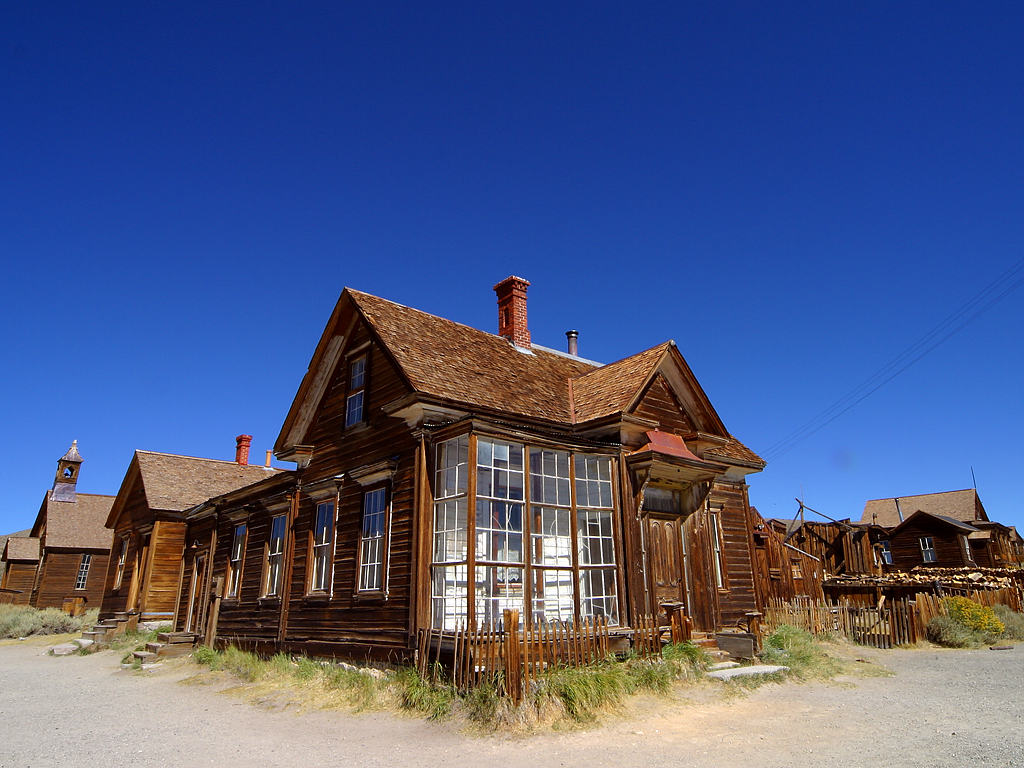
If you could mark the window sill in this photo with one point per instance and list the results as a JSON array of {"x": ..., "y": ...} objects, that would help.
[
  {"x": 375, "y": 596},
  {"x": 356, "y": 428},
  {"x": 317, "y": 597},
  {"x": 270, "y": 600}
]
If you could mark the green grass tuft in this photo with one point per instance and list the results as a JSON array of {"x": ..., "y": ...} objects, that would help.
[{"x": 797, "y": 649}]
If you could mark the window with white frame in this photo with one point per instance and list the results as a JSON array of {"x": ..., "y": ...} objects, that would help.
[
  {"x": 449, "y": 577},
  {"x": 549, "y": 553},
  {"x": 235, "y": 562},
  {"x": 355, "y": 399},
  {"x": 886, "y": 548},
  {"x": 927, "y": 549},
  {"x": 500, "y": 484},
  {"x": 83, "y": 571},
  {"x": 371, "y": 550},
  {"x": 121, "y": 560},
  {"x": 596, "y": 546},
  {"x": 716, "y": 550},
  {"x": 275, "y": 555},
  {"x": 323, "y": 544}
]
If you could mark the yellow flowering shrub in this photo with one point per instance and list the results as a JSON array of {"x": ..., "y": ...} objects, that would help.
[{"x": 974, "y": 616}]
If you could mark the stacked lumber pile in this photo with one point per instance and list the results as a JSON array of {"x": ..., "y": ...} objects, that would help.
[{"x": 955, "y": 578}]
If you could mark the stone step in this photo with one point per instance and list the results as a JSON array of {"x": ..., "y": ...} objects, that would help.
[
  {"x": 64, "y": 649},
  {"x": 723, "y": 665},
  {"x": 752, "y": 671},
  {"x": 83, "y": 642}
]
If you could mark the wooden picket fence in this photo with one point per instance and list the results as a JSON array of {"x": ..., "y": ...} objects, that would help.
[
  {"x": 511, "y": 659},
  {"x": 887, "y": 625}
]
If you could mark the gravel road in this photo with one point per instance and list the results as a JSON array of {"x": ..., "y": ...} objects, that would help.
[{"x": 941, "y": 708}]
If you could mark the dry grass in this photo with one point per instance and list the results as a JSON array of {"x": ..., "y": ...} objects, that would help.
[{"x": 25, "y": 621}]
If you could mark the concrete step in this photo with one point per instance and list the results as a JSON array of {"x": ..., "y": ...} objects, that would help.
[{"x": 756, "y": 669}]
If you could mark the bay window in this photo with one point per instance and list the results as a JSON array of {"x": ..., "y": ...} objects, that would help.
[{"x": 540, "y": 540}]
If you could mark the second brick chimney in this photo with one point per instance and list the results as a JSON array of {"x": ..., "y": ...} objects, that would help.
[
  {"x": 242, "y": 443},
  {"x": 512, "y": 310}
]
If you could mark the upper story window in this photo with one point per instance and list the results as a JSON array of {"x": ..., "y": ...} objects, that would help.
[
  {"x": 373, "y": 542},
  {"x": 275, "y": 556},
  {"x": 83, "y": 571},
  {"x": 355, "y": 400},
  {"x": 235, "y": 563},
  {"x": 928, "y": 549},
  {"x": 121, "y": 560},
  {"x": 322, "y": 546},
  {"x": 886, "y": 552}
]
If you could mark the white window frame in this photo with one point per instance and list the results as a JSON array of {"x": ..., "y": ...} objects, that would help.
[
  {"x": 967, "y": 548},
  {"x": 122, "y": 558},
  {"x": 322, "y": 548},
  {"x": 372, "y": 543},
  {"x": 355, "y": 393},
  {"x": 275, "y": 556},
  {"x": 886, "y": 548},
  {"x": 716, "y": 549},
  {"x": 83, "y": 571},
  {"x": 236, "y": 559},
  {"x": 928, "y": 550}
]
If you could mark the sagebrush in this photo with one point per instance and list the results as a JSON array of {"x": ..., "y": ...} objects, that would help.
[{"x": 25, "y": 621}]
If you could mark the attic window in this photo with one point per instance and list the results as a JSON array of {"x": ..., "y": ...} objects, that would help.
[{"x": 356, "y": 391}]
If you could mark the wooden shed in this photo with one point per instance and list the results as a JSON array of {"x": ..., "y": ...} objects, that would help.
[
  {"x": 445, "y": 474},
  {"x": 21, "y": 560}
]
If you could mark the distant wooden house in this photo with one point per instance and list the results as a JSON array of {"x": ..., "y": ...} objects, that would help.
[
  {"x": 844, "y": 548},
  {"x": 21, "y": 560},
  {"x": 147, "y": 519},
  {"x": 955, "y": 531},
  {"x": 73, "y": 541},
  {"x": 446, "y": 474}
]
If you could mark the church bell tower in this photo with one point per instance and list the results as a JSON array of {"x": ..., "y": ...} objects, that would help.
[{"x": 66, "y": 480}]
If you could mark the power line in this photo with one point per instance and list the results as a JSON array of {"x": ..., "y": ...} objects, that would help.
[{"x": 984, "y": 300}]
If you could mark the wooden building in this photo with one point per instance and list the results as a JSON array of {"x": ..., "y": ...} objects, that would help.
[
  {"x": 844, "y": 548},
  {"x": 989, "y": 543},
  {"x": 927, "y": 539},
  {"x": 445, "y": 474},
  {"x": 73, "y": 542},
  {"x": 21, "y": 560},
  {"x": 147, "y": 519}
]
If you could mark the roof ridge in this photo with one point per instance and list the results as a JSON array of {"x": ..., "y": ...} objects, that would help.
[
  {"x": 203, "y": 458},
  {"x": 665, "y": 344},
  {"x": 422, "y": 312},
  {"x": 916, "y": 495}
]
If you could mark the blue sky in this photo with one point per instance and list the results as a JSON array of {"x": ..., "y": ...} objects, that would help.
[{"x": 794, "y": 193}]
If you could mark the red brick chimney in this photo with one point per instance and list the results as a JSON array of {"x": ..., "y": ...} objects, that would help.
[
  {"x": 242, "y": 443},
  {"x": 512, "y": 310}
]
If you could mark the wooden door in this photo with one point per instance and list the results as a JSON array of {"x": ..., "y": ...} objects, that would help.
[
  {"x": 198, "y": 598},
  {"x": 666, "y": 558}
]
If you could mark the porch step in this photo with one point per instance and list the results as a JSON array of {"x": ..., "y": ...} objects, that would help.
[
  {"x": 173, "y": 638},
  {"x": 146, "y": 657},
  {"x": 170, "y": 650}
]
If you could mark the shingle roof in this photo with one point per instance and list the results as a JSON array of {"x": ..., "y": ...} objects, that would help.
[
  {"x": 611, "y": 388},
  {"x": 176, "y": 483},
  {"x": 21, "y": 548},
  {"x": 78, "y": 524},
  {"x": 464, "y": 365},
  {"x": 960, "y": 526},
  {"x": 958, "y": 505},
  {"x": 734, "y": 449}
]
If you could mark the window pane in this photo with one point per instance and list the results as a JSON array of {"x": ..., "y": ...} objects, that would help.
[
  {"x": 357, "y": 374},
  {"x": 551, "y": 536},
  {"x": 598, "y": 594},
  {"x": 498, "y": 589},
  {"x": 451, "y": 467},
  {"x": 354, "y": 409},
  {"x": 448, "y": 596},
  {"x": 450, "y": 535},
  {"x": 499, "y": 531},
  {"x": 372, "y": 547},
  {"x": 553, "y": 595},
  {"x": 499, "y": 470}
]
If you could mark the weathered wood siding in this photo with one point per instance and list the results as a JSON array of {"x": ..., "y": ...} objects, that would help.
[
  {"x": 136, "y": 512},
  {"x": 906, "y": 546},
  {"x": 842, "y": 550},
  {"x": 59, "y": 572},
  {"x": 659, "y": 404},
  {"x": 781, "y": 571},
  {"x": 20, "y": 576},
  {"x": 161, "y": 584},
  {"x": 737, "y": 597}
]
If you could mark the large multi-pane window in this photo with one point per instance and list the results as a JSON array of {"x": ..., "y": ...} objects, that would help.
[
  {"x": 354, "y": 400},
  {"x": 371, "y": 554},
  {"x": 323, "y": 544},
  {"x": 235, "y": 563},
  {"x": 83, "y": 571},
  {"x": 536, "y": 543},
  {"x": 275, "y": 555},
  {"x": 449, "y": 579}
]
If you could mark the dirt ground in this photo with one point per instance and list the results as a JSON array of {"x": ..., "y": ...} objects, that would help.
[{"x": 939, "y": 708}]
